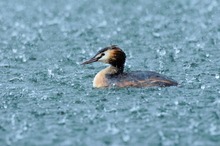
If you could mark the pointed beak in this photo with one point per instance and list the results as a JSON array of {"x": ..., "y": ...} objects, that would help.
[{"x": 90, "y": 61}]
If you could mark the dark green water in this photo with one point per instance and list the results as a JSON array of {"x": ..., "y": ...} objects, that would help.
[{"x": 46, "y": 96}]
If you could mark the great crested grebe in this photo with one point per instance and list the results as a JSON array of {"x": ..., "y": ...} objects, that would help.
[{"x": 114, "y": 75}]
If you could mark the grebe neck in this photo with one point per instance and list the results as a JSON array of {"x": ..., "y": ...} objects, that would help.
[
  {"x": 117, "y": 66},
  {"x": 112, "y": 70},
  {"x": 100, "y": 79},
  {"x": 119, "y": 69}
]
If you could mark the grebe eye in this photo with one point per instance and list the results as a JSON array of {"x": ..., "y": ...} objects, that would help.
[{"x": 100, "y": 55}]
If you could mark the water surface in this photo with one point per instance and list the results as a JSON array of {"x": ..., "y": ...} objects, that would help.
[{"x": 46, "y": 96}]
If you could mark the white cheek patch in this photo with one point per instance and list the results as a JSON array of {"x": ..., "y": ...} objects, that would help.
[
  {"x": 99, "y": 55},
  {"x": 105, "y": 58}
]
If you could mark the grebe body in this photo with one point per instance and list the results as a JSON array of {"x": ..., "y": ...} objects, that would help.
[{"x": 114, "y": 75}]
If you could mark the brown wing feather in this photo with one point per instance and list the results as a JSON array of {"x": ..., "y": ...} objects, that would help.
[{"x": 141, "y": 79}]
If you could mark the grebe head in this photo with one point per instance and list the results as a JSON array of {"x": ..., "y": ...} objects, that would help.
[{"x": 111, "y": 55}]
